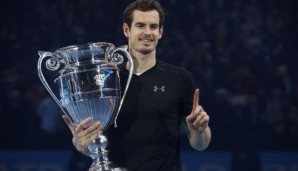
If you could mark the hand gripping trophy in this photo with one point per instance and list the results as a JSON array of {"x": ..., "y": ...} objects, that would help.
[{"x": 87, "y": 83}]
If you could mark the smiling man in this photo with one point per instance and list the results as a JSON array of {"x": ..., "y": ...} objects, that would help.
[{"x": 160, "y": 98}]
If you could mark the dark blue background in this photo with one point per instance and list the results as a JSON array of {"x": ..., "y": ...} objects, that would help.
[{"x": 243, "y": 56}]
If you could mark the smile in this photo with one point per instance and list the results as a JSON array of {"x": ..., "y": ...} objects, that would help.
[{"x": 146, "y": 40}]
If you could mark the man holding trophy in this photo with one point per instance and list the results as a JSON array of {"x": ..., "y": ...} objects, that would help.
[{"x": 159, "y": 99}]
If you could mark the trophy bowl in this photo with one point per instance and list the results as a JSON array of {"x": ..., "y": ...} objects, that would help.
[{"x": 87, "y": 84}]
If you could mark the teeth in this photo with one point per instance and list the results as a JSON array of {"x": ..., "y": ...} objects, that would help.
[{"x": 146, "y": 40}]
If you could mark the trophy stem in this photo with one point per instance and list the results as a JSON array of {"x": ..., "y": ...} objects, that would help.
[
  {"x": 100, "y": 156},
  {"x": 101, "y": 162}
]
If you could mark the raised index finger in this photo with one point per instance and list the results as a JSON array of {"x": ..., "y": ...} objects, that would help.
[{"x": 195, "y": 99}]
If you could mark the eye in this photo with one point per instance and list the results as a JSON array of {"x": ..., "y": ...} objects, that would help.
[
  {"x": 154, "y": 26},
  {"x": 139, "y": 25}
]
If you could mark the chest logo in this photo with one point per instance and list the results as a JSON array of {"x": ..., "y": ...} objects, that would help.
[{"x": 159, "y": 89}]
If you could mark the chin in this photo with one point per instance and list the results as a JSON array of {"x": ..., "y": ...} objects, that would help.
[{"x": 146, "y": 51}]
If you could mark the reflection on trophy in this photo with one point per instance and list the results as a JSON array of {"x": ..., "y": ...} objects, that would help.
[{"x": 87, "y": 83}]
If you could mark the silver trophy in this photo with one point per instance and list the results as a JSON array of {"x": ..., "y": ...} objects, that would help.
[{"x": 87, "y": 83}]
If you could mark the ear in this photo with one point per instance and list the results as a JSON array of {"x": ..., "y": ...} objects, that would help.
[
  {"x": 126, "y": 30},
  {"x": 160, "y": 32}
]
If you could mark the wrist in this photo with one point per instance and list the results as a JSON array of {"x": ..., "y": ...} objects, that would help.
[{"x": 82, "y": 149}]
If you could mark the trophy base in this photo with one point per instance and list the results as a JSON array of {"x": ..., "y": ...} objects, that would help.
[
  {"x": 104, "y": 166},
  {"x": 100, "y": 156}
]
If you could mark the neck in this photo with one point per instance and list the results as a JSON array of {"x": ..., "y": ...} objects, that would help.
[{"x": 143, "y": 62}]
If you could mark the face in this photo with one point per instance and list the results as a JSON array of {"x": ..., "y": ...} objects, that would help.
[{"x": 144, "y": 33}]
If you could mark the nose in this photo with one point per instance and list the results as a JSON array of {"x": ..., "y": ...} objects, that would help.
[{"x": 147, "y": 30}]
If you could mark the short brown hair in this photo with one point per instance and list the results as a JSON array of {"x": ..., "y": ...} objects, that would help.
[{"x": 143, "y": 5}]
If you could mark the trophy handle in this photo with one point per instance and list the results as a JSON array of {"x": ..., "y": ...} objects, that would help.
[
  {"x": 52, "y": 64},
  {"x": 118, "y": 59}
]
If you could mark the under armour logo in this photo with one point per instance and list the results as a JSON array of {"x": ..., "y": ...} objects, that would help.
[{"x": 159, "y": 89}]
